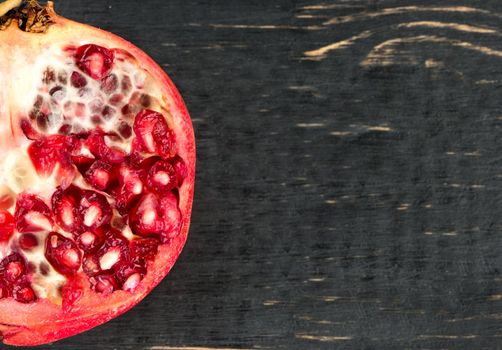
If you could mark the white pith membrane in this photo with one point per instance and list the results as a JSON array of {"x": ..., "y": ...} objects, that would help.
[{"x": 53, "y": 105}]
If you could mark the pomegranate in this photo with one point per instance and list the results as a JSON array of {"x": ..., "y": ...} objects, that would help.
[{"x": 98, "y": 165}]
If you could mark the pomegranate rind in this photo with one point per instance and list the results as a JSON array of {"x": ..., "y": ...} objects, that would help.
[{"x": 43, "y": 321}]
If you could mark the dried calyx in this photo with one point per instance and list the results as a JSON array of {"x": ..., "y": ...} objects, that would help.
[{"x": 31, "y": 16}]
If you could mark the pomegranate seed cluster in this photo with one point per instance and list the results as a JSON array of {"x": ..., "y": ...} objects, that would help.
[{"x": 108, "y": 145}]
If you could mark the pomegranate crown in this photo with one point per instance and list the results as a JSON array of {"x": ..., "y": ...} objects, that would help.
[{"x": 30, "y": 15}]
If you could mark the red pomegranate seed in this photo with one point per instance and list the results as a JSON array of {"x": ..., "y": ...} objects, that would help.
[
  {"x": 152, "y": 216},
  {"x": 98, "y": 147},
  {"x": 7, "y": 225},
  {"x": 90, "y": 241},
  {"x": 104, "y": 284},
  {"x": 130, "y": 275},
  {"x": 5, "y": 291},
  {"x": 71, "y": 293},
  {"x": 65, "y": 205},
  {"x": 116, "y": 99},
  {"x": 132, "y": 282},
  {"x": 94, "y": 60},
  {"x": 144, "y": 218},
  {"x": 108, "y": 112},
  {"x": 171, "y": 216},
  {"x": 114, "y": 252},
  {"x": 83, "y": 163},
  {"x": 109, "y": 84},
  {"x": 161, "y": 177},
  {"x": 125, "y": 130},
  {"x": 144, "y": 249},
  {"x": 164, "y": 139},
  {"x": 153, "y": 134},
  {"x": 126, "y": 84},
  {"x": 12, "y": 268},
  {"x": 78, "y": 80},
  {"x": 24, "y": 294},
  {"x": 44, "y": 268},
  {"x": 28, "y": 241},
  {"x": 62, "y": 253},
  {"x": 32, "y": 214},
  {"x": 94, "y": 209},
  {"x": 79, "y": 109},
  {"x": 99, "y": 175},
  {"x": 96, "y": 105},
  {"x": 65, "y": 129},
  {"x": 29, "y": 132},
  {"x": 181, "y": 169},
  {"x": 128, "y": 188},
  {"x": 90, "y": 265},
  {"x": 50, "y": 151}
]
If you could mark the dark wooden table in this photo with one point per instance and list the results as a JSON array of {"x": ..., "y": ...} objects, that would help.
[{"x": 349, "y": 180}]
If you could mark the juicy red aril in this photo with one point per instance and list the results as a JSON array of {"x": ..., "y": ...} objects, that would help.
[
  {"x": 7, "y": 225},
  {"x": 96, "y": 61},
  {"x": 162, "y": 177},
  {"x": 144, "y": 249},
  {"x": 99, "y": 175},
  {"x": 64, "y": 129},
  {"x": 29, "y": 132},
  {"x": 24, "y": 294},
  {"x": 164, "y": 138},
  {"x": 90, "y": 265},
  {"x": 125, "y": 130},
  {"x": 171, "y": 217},
  {"x": 71, "y": 292},
  {"x": 65, "y": 207},
  {"x": 126, "y": 84},
  {"x": 109, "y": 83},
  {"x": 94, "y": 209},
  {"x": 129, "y": 276},
  {"x": 78, "y": 80},
  {"x": 62, "y": 253},
  {"x": 12, "y": 268},
  {"x": 28, "y": 241},
  {"x": 5, "y": 291},
  {"x": 32, "y": 214},
  {"x": 153, "y": 216},
  {"x": 181, "y": 169},
  {"x": 114, "y": 252},
  {"x": 104, "y": 284},
  {"x": 144, "y": 218},
  {"x": 90, "y": 241},
  {"x": 50, "y": 151},
  {"x": 99, "y": 148},
  {"x": 108, "y": 112},
  {"x": 83, "y": 163},
  {"x": 153, "y": 134},
  {"x": 128, "y": 188}
]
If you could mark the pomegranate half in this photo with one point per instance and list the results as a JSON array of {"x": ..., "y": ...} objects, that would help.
[{"x": 97, "y": 164}]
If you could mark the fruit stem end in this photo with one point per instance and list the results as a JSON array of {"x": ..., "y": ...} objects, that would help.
[
  {"x": 31, "y": 16},
  {"x": 8, "y": 5}
]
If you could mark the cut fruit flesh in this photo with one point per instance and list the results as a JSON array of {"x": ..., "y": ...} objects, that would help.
[{"x": 69, "y": 123}]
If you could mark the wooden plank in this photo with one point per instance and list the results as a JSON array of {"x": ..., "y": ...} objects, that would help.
[{"x": 349, "y": 178}]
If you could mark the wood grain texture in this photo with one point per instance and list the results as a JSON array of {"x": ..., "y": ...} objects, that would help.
[{"x": 349, "y": 174}]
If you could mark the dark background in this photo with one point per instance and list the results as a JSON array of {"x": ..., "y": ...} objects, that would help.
[{"x": 346, "y": 198}]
